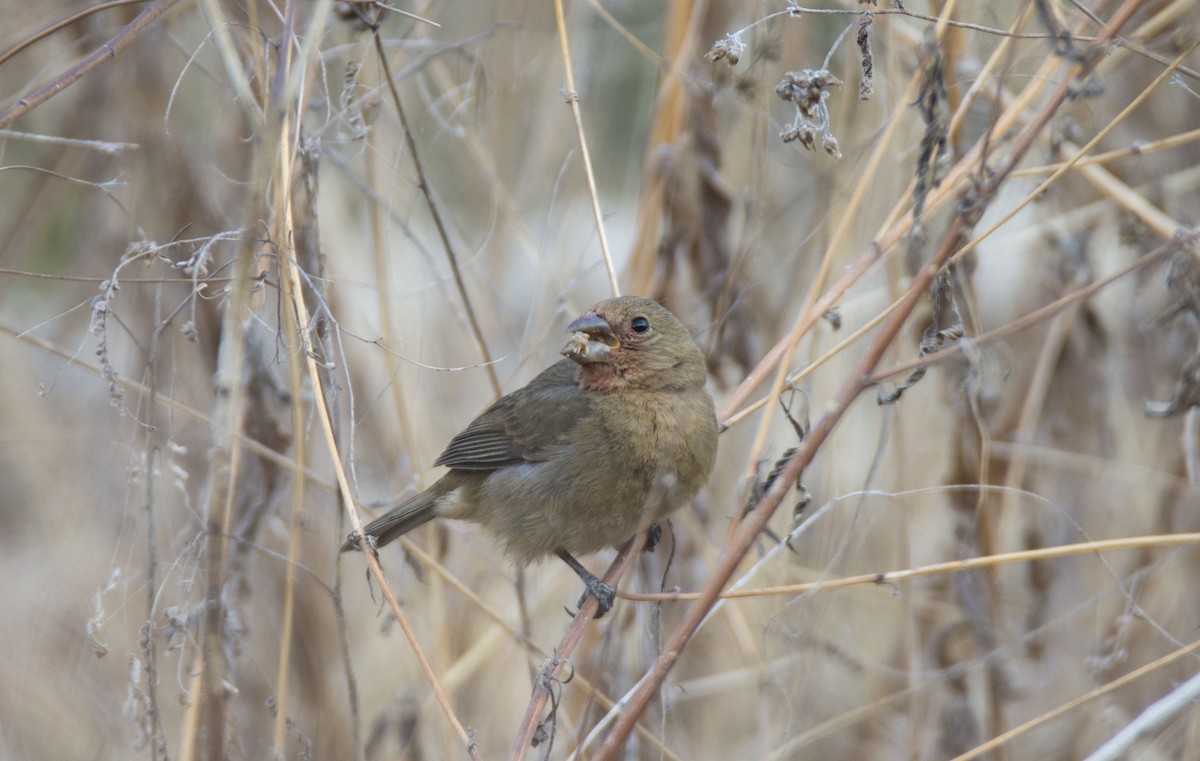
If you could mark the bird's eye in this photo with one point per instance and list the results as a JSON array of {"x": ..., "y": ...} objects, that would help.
[{"x": 640, "y": 324}]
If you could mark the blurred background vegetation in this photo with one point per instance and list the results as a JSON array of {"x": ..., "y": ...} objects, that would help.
[{"x": 157, "y": 546}]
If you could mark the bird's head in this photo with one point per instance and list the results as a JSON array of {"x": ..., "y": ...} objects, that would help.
[{"x": 633, "y": 342}]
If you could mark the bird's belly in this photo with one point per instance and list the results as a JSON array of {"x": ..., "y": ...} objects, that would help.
[{"x": 536, "y": 508}]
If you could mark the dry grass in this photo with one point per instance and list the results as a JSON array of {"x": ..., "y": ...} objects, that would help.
[{"x": 211, "y": 237}]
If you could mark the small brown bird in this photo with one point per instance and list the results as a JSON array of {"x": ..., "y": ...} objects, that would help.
[{"x": 596, "y": 448}]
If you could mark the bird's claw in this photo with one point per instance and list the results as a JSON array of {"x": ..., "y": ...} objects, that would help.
[
  {"x": 653, "y": 536},
  {"x": 603, "y": 593}
]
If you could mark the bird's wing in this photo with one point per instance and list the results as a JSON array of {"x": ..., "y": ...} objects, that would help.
[{"x": 524, "y": 426}]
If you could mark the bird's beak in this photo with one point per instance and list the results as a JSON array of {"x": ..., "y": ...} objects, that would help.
[{"x": 591, "y": 341}]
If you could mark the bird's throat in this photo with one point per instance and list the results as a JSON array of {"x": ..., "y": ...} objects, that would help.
[{"x": 601, "y": 377}]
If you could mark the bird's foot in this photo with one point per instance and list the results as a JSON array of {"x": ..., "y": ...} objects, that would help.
[
  {"x": 653, "y": 537},
  {"x": 603, "y": 593}
]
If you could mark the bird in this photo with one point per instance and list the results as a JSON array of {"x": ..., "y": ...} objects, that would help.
[{"x": 598, "y": 447}]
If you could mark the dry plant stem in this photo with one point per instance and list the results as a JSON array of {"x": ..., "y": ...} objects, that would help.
[
  {"x": 467, "y": 741},
  {"x": 1152, "y": 541},
  {"x": 1140, "y": 149},
  {"x": 1149, "y": 721},
  {"x": 1106, "y": 182},
  {"x": 124, "y": 280},
  {"x": 298, "y": 456},
  {"x": 343, "y": 638},
  {"x": 284, "y": 235},
  {"x": 190, "y": 728},
  {"x": 666, "y": 129},
  {"x": 626, "y": 35},
  {"x": 230, "y": 59},
  {"x": 222, "y": 477},
  {"x": 149, "y": 642},
  {"x": 1050, "y": 715},
  {"x": 423, "y": 184},
  {"x": 256, "y": 51},
  {"x": 437, "y": 614},
  {"x": 952, "y": 41},
  {"x": 476, "y": 329},
  {"x": 738, "y": 545},
  {"x": 1164, "y": 19},
  {"x": 562, "y": 653},
  {"x": 1033, "y": 405},
  {"x": 289, "y": 295},
  {"x": 1191, "y": 450},
  {"x": 573, "y": 102},
  {"x": 387, "y": 329},
  {"x": 105, "y": 52},
  {"x": 795, "y": 11},
  {"x": 33, "y": 39}
]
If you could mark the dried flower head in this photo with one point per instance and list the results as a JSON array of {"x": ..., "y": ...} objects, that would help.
[
  {"x": 807, "y": 90},
  {"x": 728, "y": 49}
]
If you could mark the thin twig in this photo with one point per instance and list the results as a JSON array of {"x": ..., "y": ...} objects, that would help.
[
  {"x": 423, "y": 184},
  {"x": 298, "y": 458},
  {"x": 253, "y": 108},
  {"x": 1069, "y": 706},
  {"x": 149, "y": 642},
  {"x": 796, "y": 11},
  {"x": 289, "y": 296},
  {"x": 1139, "y": 149},
  {"x": 573, "y": 102},
  {"x": 106, "y": 147},
  {"x": 1151, "y": 541},
  {"x": 628, "y": 36},
  {"x": 39, "y": 36},
  {"x": 104, "y": 53},
  {"x": 222, "y": 478},
  {"x": 1149, "y": 721}
]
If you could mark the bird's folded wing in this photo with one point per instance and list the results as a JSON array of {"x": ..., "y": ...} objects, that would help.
[{"x": 525, "y": 426}]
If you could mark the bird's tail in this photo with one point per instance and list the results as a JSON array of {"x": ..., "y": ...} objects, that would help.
[{"x": 401, "y": 519}]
